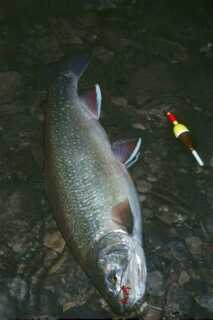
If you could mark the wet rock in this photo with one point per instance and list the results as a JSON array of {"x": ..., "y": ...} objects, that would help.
[
  {"x": 38, "y": 153},
  {"x": 68, "y": 305},
  {"x": 194, "y": 245},
  {"x": 103, "y": 54},
  {"x": 10, "y": 108},
  {"x": 10, "y": 85},
  {"x": 206, "y": 301},
  {"x": 7, "y": 307},
  {"x": 165, "y": 215},
  {"x": 197, "y": 284},
  {"x": 89, "y": 310},
  {"x": 178, "y": 249},
  {"x": 147, "y": 213},
  {"x": 209, "y": 194},
  {"x": 74, "y": 296},
  {"x": 169, "y": 50},
  {"x": 169, "y": 217},
  {"x": 155, "y": 283},
  {"x": 142, "y": 100},
  {"x": 54, "y": 241},
  {"x": 156, "y": 76},
  {"x": 152, "y": 178},
  {"x": 206, "y": 48},
  {"x": 48, "y": 49},
  {"x": 104, "y": 4},
  {"x": 50, "y": 258},
  {"x": 136, "y": 173},
  {"x": 142, "y": 197},
  {"x": 120, "y": 102},
  {"x": 44, "y": 49},
  {"x": 65, "y": 33},
  {"x": 184, "y": 278},
  {"x": 155, "y": 166},
  {"x": 208, "y": 223},
  {"x": 144, "y": 186},
  {"x": 48, "y": 305},
  {"x": 18, "y": 288},
  {"x": 57, "y": 264},
  {"x": 138, "y": 126},
  {"x": 153, "y": 315},
  {"x": 179, "y": 302},
  {"x": 59, "y": 284},
  {"x": 211, "y": 162}
]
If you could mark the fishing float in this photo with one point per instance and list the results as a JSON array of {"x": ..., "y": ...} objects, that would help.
[{"x": 182, "y": 133}]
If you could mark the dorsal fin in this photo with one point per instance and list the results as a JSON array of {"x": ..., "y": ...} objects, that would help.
[
  {"x": 127, "y": 151},
  {"x": 92, "y": 99},
  {"x": 122, "y": 215}
]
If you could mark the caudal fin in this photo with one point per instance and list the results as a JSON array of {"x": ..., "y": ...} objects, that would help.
[{"x": 75, "y": 63}]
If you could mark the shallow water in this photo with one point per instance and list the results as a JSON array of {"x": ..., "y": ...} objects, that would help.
[{"x": 148, "y": 59}]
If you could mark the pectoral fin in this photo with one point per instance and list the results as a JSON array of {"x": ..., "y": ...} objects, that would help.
[
  {"x": 127, "y": 151},
  {"x": 122, "y": 215},
  {"x": 92, "y": 99}
]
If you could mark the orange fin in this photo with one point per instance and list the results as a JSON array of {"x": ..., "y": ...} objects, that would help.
[
  {"x": 127, "y": 151},
  {"x": 122, "y": 215},
  {"x": 92, "y": 99}
]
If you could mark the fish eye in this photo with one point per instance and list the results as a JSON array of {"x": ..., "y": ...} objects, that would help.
[{"x": 112, "y": 277}]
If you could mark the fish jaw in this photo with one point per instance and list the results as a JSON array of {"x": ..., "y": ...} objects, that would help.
[{"x": 121, "y": 272}]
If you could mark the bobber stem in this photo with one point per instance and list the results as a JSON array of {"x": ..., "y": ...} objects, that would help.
[{"x": 198, "y": 158}]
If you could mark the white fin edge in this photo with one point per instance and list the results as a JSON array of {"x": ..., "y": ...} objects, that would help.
[
  {"x": 99, "y": 98},
  {"x": 131, "y": 159}
]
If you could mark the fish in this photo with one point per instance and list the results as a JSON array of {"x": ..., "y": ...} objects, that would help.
[{"x": 93, "y": 198}]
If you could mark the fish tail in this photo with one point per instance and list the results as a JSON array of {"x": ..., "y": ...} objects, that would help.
[
  {"x": 45, "y": 75},
  {"x": 77, "y": 64}
]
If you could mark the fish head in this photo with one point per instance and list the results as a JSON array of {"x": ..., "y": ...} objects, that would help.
[{"x": 122, "y": 272}]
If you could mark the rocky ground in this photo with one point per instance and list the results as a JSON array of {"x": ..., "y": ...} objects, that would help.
[{"x": 149, "y": 59}]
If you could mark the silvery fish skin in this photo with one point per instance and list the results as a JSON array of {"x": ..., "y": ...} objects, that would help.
[{"x": 86, "y": 185}]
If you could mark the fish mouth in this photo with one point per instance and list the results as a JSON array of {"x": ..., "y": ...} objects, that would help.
[
  {"x": 129, "y": 309},
  {"x": 127, "y": 301},
  {"x": 121, "y": 308},
  {"x": 122, "y": 303}
]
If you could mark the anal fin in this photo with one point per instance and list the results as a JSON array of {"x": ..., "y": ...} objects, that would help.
[{"x": 127, "y": 151}]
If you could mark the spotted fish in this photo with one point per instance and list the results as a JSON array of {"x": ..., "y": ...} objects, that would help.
[{"x": 94, "y": 201}]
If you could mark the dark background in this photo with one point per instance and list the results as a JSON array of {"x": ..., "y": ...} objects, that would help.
[{"x": 149, "y": 57}]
